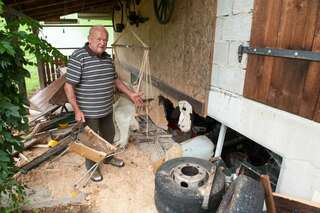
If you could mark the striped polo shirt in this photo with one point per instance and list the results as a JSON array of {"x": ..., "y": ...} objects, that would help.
[{"x": 93, "y": 79}]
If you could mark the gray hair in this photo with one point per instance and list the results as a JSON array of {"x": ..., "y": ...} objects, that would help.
[{"x": 95, "y": 28}]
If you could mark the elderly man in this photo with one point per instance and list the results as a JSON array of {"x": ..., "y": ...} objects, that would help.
[{"x": 89, "y": 87}]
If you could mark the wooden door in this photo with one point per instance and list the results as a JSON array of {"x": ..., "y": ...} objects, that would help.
[{"x": 289, "y": 84}]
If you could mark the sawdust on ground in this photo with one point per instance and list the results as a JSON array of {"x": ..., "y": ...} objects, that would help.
[{"x": 123, "y": 190}]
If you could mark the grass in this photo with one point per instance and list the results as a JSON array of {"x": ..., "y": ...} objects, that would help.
[{"x": 32, "y": 83}]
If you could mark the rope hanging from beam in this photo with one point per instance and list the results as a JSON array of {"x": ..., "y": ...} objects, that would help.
[{"x": 144, "y": 70}]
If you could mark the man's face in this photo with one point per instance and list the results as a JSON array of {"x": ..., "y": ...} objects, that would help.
[{"x": 98, "y": 41}]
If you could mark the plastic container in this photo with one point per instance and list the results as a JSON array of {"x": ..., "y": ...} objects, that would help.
[{"x": 198, "y": 147}]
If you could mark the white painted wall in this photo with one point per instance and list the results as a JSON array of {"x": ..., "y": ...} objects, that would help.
[
  {"x": 62, "y": 37},
  {"x": 295, "y": 138}
]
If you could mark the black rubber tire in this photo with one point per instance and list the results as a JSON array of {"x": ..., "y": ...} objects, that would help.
[{"x": 170, "y": 197}]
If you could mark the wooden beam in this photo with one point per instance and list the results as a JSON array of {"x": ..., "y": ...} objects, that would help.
[
  {"x": 48, "y": 5},
  {"x": 62, "y": 145},
  {"x": 87, "y": 152},
  {"x": 93, "y": 15},
  {"x": 18, "y": 2},
  {"x": 68, "y": 8},
  {"x": 57, "y": 15},
  {"x": 286, "y": 204}
]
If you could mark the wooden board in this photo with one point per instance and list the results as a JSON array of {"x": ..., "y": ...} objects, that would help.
[
  {"x": 309, "y": 106},
  {"x": 87, "y": 152},
  {"x": 40, "y": 101},
  {"x": 285, "y": 204},
  {"x": 92, "y": 140},
  {"x": 259, "y": 69},
  {"x": 288, "y": 84},
  {"x": 265, "y": 181},
  {"x": 181, "y": 51}
]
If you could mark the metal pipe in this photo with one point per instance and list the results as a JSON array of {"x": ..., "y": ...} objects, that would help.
[{"x": 222, "y": 134}]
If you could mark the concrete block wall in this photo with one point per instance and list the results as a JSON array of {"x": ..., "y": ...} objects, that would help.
[
  {"x": 233, "y": 27},
  {"x": 294, "y": 138}
]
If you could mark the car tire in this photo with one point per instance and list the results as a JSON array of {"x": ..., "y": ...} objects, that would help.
[{"x": 170, "y": 197}]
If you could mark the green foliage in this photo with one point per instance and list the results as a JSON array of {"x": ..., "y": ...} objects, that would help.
[{"x": 14, "y": 45}]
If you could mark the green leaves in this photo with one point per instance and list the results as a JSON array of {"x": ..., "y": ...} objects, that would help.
[
  {"x": 1, "y": 7},
  {"x": 4, "y": 156},
  {"x": 14, "y": 45},
  {"x": 5, "y": 46},
  {"x": 13, "y": 115},
  {"x": 9, "y": 109}
]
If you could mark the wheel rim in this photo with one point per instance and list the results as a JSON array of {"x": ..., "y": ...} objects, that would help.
[
  {"x": 163, "y": 10},
  {"x": 116, "y": 10},
  {"x": 191, "y": 176}
]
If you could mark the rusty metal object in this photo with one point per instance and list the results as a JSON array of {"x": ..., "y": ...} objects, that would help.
[
  {"x": 206, "y": 191},
  {"x": 190, "y": 175}
]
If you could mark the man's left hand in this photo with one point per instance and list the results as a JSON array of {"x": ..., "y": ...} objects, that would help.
[{"x": 136, "y": 98}]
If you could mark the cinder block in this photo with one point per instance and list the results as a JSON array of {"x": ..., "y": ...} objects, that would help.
[
  {"x": 224, "y": 7},
  {"x": 228, "y": 78},
  {"x": 237, "y": 27},
  {"x": 221, "y": 53},
  {"x": 219, "y": 28},
  {"x": 242, "y": 6},
  {"x": 301, "y": 170},
  {"x": 233, "y": 54}
]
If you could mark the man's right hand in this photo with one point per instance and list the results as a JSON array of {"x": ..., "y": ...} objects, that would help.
[{"x": 79, "y": 116}]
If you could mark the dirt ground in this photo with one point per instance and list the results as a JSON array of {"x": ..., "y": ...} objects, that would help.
[{"x": 123, "y": 190}]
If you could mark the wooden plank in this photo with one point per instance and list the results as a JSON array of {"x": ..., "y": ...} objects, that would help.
[
  {"x": 265, "y": 181},
  {"x": 311, "y": 88},
  {"x": 87, "y": 152},
  {"x": 48, "y": 73},
  {"x": 41, "y": 99},
  {"x": 62, "y": 145},
  {"x": 41, "y": 74},
  {"x": 316, "y": 115},
  {"x": 259, "y": 69},
  {"x": 285, "y": 204},
  {"x": 53, "y": 72},
  {"x": 297, "y": 23},
  {"x": 71, "y": 7}
]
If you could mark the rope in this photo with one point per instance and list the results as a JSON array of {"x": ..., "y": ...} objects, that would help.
[{"x": 144, "y": 71}]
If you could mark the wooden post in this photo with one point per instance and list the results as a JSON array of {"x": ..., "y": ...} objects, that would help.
[
  {"x": 40, "y": 65},
  {"x": 265, "y": 181}
]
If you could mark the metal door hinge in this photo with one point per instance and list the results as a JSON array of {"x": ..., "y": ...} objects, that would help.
[{"x": 284, "y": 53}]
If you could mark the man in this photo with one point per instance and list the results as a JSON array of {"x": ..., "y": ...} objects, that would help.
[{"x": 89, "y": 87}]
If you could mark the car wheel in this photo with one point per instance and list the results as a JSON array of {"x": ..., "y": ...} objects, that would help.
[{"x": 178, "y": 185}]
